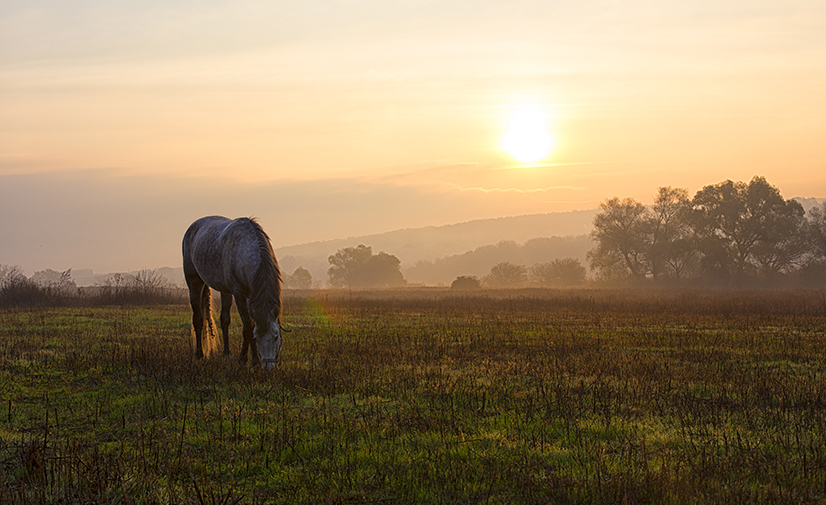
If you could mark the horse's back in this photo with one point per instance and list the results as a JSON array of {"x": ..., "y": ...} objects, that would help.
[
  {"x": 204, "y": 226},
  {"x": 221, "y": 251},
  {"x": 201, "y": 231}
]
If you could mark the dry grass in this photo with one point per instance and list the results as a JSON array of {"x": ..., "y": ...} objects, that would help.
[{"x": 423, "y": 396}]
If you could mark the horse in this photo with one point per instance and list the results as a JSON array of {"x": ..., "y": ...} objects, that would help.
[{"x": 235, "y": 257}]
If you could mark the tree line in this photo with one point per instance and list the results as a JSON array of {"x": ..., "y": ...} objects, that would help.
[
  {"x": 354, "y": 268},
  {"x": 478, "y": 262},
  {"x": 733, "y": 234},
  {"x": 49, "y": 287},
  {"x": 728, "y": 234},
  {"x": 358, "y": 267},
  {"x": 559, "y": 273}
]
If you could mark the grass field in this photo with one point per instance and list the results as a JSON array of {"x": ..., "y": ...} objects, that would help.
[{"x": 422, "y": 396}]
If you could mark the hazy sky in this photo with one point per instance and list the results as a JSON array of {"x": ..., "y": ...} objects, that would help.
[{"x": 121, "y": 122}]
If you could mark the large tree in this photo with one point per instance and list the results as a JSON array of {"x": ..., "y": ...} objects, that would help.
[
  {"x": 729, "y": 231},
  {"x": 814, "y": 269},
  {"x": 816, "y": 233},
  {"x": 348, "y": 266},
  {"x": 620, "y": 231},
  {"x": 358, "y": 267},
  {"x": 384, "y": 270},
  {"x": 783, "y": 246},
  {"x": 747, "y": 228},
  {"x": 669, "y": 234}
]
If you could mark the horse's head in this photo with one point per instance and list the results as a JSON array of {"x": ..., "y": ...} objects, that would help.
[{"x": 268, "y": 340}]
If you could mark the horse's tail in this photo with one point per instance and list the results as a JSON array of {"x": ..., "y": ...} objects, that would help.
[{"x": 209, "y": 333}]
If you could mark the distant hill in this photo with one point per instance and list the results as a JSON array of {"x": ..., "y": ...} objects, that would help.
[
  {"x": 415, "y": 247},
  {"x": 479, "y": 261},
  {"x": 809, "y": 203},
  {"x": 437, "y": 254},
  {"x": 430, "y": 243}
]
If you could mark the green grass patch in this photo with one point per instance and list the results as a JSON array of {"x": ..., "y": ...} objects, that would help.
[{"x": 580, "y": 397}]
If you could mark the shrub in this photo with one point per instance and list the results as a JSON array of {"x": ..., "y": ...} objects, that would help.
[
  {"x": 466, "y": 282},
  {"x": 16, "y": 290}
]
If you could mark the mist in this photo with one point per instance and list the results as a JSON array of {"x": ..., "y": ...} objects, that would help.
[{"x": 108, "y": 222}]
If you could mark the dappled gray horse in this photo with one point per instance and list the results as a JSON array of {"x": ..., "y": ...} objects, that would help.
[{"x": 234, "y": 256}]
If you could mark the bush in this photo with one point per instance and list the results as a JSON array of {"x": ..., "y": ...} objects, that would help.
[
  {"x": 147, "y": 287},
  {"x": 16, "y": 290},
  {"x": 466, "y": 282}
]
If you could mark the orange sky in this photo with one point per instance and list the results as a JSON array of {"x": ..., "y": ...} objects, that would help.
[{"x": 349, "y": 102}]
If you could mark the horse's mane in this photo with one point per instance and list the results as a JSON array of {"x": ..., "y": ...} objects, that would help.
[{"x": 265, "y": 295}]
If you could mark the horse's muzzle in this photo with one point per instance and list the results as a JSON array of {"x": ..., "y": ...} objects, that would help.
[{"x": 268, "y": 364}]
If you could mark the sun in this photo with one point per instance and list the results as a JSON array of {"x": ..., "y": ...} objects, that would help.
[{"x": 528, "y": 138}]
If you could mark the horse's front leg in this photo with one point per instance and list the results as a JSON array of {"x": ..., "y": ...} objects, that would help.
[
  {"x": 248, "y": 342},
  {"x": 226, "y": 305}
]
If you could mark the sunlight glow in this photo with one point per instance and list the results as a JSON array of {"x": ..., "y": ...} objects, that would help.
[{"x": 528, "y": 138}]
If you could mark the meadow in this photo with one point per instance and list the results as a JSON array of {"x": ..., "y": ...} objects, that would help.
[{"x": 425, "y": 396}]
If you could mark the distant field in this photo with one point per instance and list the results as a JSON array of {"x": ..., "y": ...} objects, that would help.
[{"x": 424, "y": 396}]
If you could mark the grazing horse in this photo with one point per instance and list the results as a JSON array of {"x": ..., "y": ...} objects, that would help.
[{"x": 234, "y": 256}]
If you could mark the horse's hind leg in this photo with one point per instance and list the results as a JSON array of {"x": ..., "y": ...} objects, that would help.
[
  {"x": 196, "y": 288},
  {"x": 226, "y": 305},
  {"x": 209, "y": 325}
]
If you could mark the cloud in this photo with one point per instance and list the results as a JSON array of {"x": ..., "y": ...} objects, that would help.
[{"x": 516, "y": 190}]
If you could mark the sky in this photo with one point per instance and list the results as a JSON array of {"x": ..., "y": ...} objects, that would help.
[{"x": 122, "y": 122}]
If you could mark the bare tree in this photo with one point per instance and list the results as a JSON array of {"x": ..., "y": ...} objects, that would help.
[
  {"x": 149, "y": 281},
  {"x": 60, "y": 282},
  {"x": 10, "y": 275}
]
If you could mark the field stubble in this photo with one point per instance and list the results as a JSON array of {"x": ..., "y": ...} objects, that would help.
[{"x": 424, "y": 396}]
